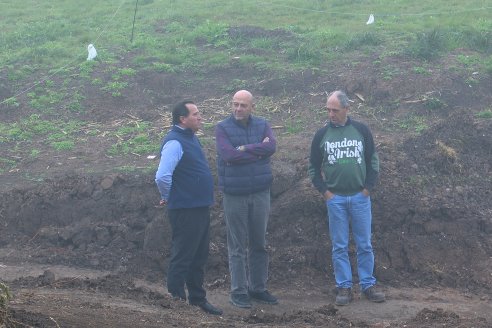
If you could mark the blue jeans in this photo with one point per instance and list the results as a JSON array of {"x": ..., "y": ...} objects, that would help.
[
  {"x": 354, "y": 211},
  {"x": 246, "y": 218}
]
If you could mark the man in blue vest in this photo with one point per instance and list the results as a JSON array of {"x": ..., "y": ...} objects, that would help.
[
  {"x": 244, "y": 146},
  {"x": 186, "y": 186}
]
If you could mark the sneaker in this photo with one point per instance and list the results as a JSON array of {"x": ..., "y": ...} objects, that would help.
[
  {"x": 344, "y": 296},
  {"x": 374, "y": 295},
  {"x": 240, "y": 300},
  {"x": 263, "y": 297}
]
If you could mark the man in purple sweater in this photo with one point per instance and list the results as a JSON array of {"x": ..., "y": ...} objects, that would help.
[{"x": 244, "y": 146}]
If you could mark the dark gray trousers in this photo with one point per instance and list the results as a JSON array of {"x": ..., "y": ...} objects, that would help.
[{"x": 246, "y": 218}]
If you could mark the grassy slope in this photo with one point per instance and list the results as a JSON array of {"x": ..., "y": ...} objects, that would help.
[
  {"x": 47, "y": 35},
  {"x": 43, "y": 46}
]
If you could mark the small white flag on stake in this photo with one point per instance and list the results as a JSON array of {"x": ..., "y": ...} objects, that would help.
[
  {"x": 371, "y": 19},
  {"x": 92, "y": 52}
]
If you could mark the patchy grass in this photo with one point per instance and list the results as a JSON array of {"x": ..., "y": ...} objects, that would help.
[
  {"x": 56, "y": 34},
  {"x": 137, "y": 138},
  {"x": 5, "y": 297},
  {"x": 485, "y": 114},
  {"x": 44, "y": 50},
  {"x": 412, "y": 123}
]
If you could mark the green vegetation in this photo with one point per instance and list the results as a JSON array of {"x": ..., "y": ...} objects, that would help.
[
  {"x": 63, "y": 145},
  {"x": 236, "y": 84},
  {"x": 44, "y": 99},
  {"x": 5, "y": 298},
  {"x": 11, "y": 102},
  {"x": 488, "y": 64},
  {"x": 176, "y": 33},
  {"x": 487, "y": 114},
  {"x": 472, "y": 61},
  {"x": 421, "y": 70},
  {"x": 34, "y": 127},
  {"x": 294, "y": 126},
  {"x": 135, "y": 138},
  {"x": 6, "y": 164},
  {"x": 434, "y": 103},
  {"x": 414, "y": 123},
  {"x": 163, "y": 67},
  {"x": 428, "y": 44},
  {"x": 115, "y": 87},
  {"x": 34, "y": 153},
  {"x": 175, "y": 36},
  {"x": 140, "y": 145},
  {"x": 49, "y": 81},
  {"x": 24, "y": 137}
]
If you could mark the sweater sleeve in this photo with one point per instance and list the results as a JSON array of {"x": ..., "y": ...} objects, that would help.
[
  {"x": 316, "y": 160},
  {"x": 263, "y": 149},
  {"x": 370, "y": 156},
  {"x": 227, "y": 152},
  {"x": 170, "y": 156}
]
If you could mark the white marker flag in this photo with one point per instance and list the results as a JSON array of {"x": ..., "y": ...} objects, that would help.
[
  {"x": 92, "y": 52},
  {"x": 371, "y": 19}
]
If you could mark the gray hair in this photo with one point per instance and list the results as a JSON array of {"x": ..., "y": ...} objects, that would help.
[{"x": 342, "y": 98}]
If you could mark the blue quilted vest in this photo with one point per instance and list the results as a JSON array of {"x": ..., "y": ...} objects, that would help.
[
  {"x": 243, "y": 179},
  {"x": 192, "y": 184}
]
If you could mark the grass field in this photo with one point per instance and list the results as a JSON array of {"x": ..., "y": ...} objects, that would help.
[
  {"x": 43, "y": 51},
  {"x": 49, "y": 35}
]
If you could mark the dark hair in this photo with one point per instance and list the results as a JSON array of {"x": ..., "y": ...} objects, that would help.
[{"x": 180, "y": 109}]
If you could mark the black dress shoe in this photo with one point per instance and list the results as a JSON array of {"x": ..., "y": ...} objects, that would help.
[{"x": 209, "y": 308}]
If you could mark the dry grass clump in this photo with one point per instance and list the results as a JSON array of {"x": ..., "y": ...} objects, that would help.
[
  {"x": 5, "y": 297},
  {"x": 448, "y": 152}
]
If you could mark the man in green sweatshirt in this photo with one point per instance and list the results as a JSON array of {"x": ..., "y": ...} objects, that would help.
[{"x": 344, "y": 167}]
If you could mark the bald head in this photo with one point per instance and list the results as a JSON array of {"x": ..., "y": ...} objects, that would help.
[
  {"x": 242, "y": 105},
  {"x": 244, "y": 94}
]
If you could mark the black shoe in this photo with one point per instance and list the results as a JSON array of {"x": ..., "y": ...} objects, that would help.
[
  {"x": 263, "y": 297},
  {"x": 240, "y": 300},
  {"x": 209, "y": 308},
  {"x": 344, "y": 296},
  {"x": 374, "y": 295}
]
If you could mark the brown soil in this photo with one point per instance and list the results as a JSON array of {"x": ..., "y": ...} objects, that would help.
[{"x": 81, "y": 249}]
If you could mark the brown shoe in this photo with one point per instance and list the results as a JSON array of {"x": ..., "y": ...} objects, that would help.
[
  {"x": 374, "y": 295},
  {"x": 344, "y": 296}
]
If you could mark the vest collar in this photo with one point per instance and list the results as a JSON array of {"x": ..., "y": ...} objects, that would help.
[{"x": 179, "y": 129}]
